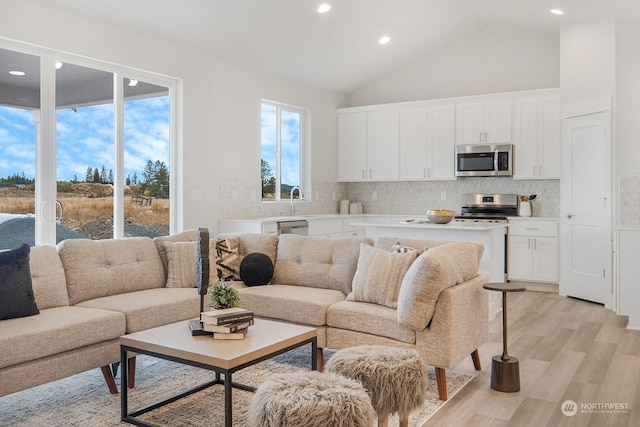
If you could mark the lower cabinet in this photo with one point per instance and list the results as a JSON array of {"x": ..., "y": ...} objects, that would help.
[{"x": 533, "y": 251}]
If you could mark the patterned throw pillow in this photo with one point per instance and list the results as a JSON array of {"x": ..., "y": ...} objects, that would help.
[{"x": 228, "y": 259}]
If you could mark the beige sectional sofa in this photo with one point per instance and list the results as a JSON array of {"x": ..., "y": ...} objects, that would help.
[
  {"x": 89, "y": 293},
  {"x": 441, "y": 308},
  {"x": 351, "y": 289}
]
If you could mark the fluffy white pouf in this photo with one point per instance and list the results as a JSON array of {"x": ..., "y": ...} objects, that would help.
[
  {"x": 311, "y": 399},
  {"x": 395, "y": 378}
]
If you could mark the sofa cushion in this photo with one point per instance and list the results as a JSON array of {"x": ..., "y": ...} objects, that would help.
[
  {"x": 47, "y": 275},
  {"x": 421, "y": 245},
  {"x": 16, "y": 290},
  {"x": 439, "y": 268},
  {"x": 56, "y": 330},
  {"x": 151, "y": 307},
  {"x": 368, "y": 318},
  {"x": 99, "y": 268},
  {"x": 318, "y": 262},
  {"x": 299, "y": 304},
  {"x": 181, "y": 264},
  {"x": 379, "y": 275}
]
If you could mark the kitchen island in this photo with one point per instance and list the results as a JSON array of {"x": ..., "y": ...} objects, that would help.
[{"x": 490, "y": 235}]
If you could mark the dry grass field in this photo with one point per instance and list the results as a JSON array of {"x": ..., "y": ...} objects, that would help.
[{"x": 78, "y": 210}]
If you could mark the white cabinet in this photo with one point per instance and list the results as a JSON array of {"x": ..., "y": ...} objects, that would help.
[
  {"x": 383, "y": 135},
  {"x": 368, "y": 145},
  {"x": 427, "y": 143},
  {"x": 533, "y": 250},
  {"x": 536, "y": 138},
  {"x": 484, "y": 121},
  {"x": 352, "y": 146}
]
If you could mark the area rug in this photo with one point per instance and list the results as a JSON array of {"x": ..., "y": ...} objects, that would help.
[{"x": 84, "y": 400}]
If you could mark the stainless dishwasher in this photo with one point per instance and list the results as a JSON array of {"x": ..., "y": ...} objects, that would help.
[{"x": 300, "y": 227}]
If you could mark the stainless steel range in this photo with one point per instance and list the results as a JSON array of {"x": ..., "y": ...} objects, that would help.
[{"x": 487, "y": 207}]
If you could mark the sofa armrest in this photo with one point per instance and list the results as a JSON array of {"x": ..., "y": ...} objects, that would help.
[{"x": 459, "y": 325}]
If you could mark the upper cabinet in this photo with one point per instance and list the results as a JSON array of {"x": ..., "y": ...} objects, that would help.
[
  {"x": 368, "y": 145},
  {"x": 427, "y": 143},
  {"x": 484, "y": 122},
  {"x": 536, "y": 137},
  {"x": 352, "y": 146}
]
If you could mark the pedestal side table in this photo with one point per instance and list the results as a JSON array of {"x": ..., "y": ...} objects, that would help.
[{"x": 505, "y": 369}]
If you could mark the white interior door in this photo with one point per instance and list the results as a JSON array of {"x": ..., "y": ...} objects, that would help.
[{"x": 585, "y": 208}]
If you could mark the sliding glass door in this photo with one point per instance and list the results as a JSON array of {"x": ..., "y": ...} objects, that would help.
[{"x": 86, "y": 152}]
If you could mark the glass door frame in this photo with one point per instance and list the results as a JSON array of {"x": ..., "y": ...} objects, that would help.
[{"x": 45, "y": 124}]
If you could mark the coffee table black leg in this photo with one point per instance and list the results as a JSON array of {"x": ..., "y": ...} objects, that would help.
[
  {"x": 227, "y": 400},
  {"x": 124, "y": 385},
  {"x": 314, "y": 355}
]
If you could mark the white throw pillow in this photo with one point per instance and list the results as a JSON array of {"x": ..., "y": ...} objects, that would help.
[{"x": 379, "y": 275}]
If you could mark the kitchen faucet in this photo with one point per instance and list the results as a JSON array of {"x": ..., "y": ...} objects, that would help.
[{"x": 300, "y": 197}]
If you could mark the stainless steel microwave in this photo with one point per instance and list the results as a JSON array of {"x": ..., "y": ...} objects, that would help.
[{"x": 484, "y": 160}]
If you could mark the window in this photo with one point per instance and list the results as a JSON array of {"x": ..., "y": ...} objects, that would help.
[
  {"x": 282, "y": 146},
  {"x": 96, "y": 156}
]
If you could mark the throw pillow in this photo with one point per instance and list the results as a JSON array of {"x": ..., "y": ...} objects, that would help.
[
  {"x": 181, "y": 264},
  {"x": 402, "y": 249},
  {"x": 379, "y": 275},
  {"x": 16, "y": 290},
  {"x": 256, "y": 269},
  {"x": 439, "y": 268},
  {"x": 228, "y": 258}
]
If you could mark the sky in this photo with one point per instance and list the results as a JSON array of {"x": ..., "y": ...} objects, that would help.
[
  {"x": 289, "y": 141},
  {"x": 85, "y": 138}
]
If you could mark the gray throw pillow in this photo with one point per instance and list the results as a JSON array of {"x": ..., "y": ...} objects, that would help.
[{"x": 16, "y": 290}]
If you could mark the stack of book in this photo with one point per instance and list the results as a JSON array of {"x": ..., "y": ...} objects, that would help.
[{"x": 227, "y": 323}]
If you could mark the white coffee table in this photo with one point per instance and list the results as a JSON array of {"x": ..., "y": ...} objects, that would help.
[{"x": 265, "y": 339}]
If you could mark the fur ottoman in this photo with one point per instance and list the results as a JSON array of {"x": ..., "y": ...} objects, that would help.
[
  {"x": 395, "y": 378},
  {"x": 311, "y": 399}
]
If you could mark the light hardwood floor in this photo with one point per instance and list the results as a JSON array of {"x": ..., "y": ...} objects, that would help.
[{"x": 568, "y": 349}]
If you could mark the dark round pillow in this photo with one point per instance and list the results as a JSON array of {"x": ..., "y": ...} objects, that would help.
[{"x": 256, "y": 269}]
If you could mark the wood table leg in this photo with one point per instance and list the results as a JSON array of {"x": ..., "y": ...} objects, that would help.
[
  {"x": 475, "y": 356},
  {"x": 441, "y": 380},
  {"x": 108, "y": 377}
]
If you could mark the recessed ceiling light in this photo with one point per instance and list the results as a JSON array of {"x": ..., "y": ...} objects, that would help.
[
  {"x": 324, "y": 8},
  {"x": 58, "y": 65},
  {"x": 557, "y": 11},
  {"x": 17, "y": 73},
  {"x": 384, "y": 40},
  {"x": 133, "y": 82}
]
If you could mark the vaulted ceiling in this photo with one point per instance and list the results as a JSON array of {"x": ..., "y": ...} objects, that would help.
[{"x": 337, "y": 50}]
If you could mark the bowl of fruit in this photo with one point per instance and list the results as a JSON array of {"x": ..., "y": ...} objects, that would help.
[{"x": 441, "y": 216}]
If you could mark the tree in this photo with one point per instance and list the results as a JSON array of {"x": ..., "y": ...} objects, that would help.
[
  {"x": 89, "y": 176},
  {"x": 128, "y": 180},
  {"x": 75, "y": 179},
  {"x": 103, "y": 175},
  {"x": 96, "y": 176},
  {"x": 268, "y": 180},
  {"x": 110, "y": 177},
  {"x": 134, "y": 180},
  {"x": 155, "y": 179}
]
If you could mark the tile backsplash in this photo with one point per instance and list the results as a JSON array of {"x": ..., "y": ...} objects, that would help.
[
  {"x": 629, "y": 187},
  {"x": 239, "y": 197}
]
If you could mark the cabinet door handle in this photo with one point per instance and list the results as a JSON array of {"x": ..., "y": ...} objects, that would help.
[
  {"x": 540, "y": 170},
  {"x": 480, "y": 136},
  {"x": 424, "y": 172},
  {"x": 362, "y": 173},
  {"x": 370, "y": 173},
  {"x": 529, "y": 243},
  {"x": 534, "y": 171},
  {"x": 535, "y": 244},
  {"x": 485, "y": 137}
]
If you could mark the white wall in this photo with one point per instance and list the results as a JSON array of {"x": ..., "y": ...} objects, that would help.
[
  {"x": 221, "y": 99},
  {"x": 627, "y": 98},
  {"x": 587, "y": 64},
  {"x": 490, "y": 61}
]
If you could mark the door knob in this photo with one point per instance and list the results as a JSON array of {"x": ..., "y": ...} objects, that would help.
[{"x": 569, "y": 215}]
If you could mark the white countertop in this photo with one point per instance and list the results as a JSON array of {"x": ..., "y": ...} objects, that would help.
[{"x": 469, "y": 226}]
